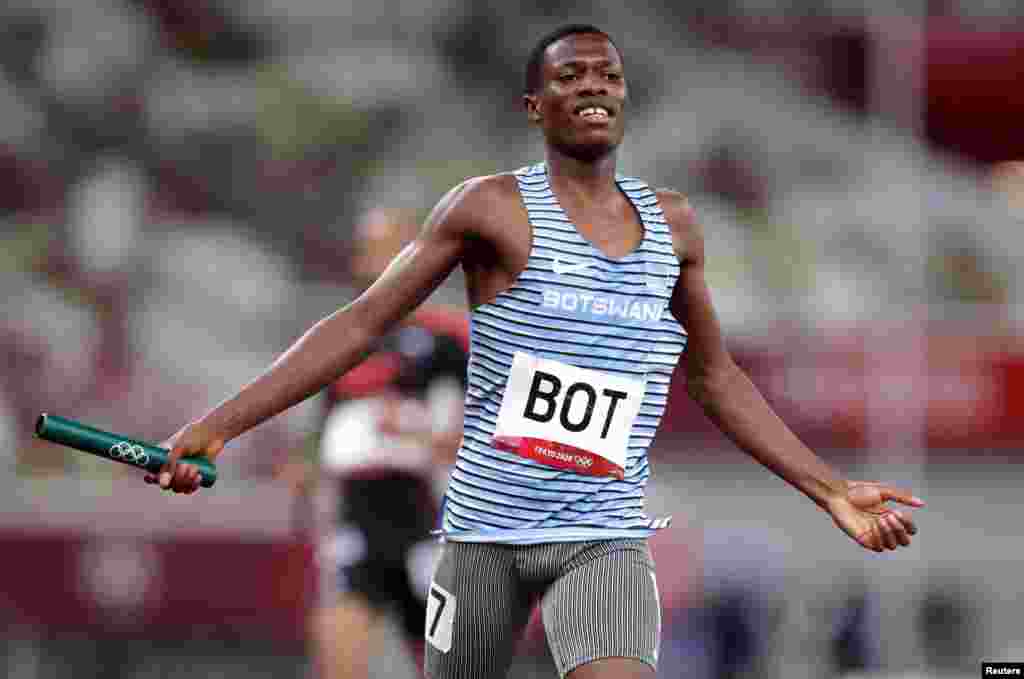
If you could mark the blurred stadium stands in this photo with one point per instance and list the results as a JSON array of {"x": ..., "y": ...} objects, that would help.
[{"x": 178, "y": 181}]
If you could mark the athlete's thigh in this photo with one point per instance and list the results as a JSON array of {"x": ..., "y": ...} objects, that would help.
[
  {"x": 605, "y": 605},
  {"x": 476, "y": 612}
]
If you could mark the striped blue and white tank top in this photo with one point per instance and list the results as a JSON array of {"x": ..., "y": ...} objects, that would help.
[{"x": 576, "y": 306}]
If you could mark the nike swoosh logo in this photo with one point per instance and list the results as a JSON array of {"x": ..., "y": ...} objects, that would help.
[{"x": 560, "y": 267}]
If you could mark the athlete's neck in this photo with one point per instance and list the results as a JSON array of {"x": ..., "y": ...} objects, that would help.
[{"x": 594, "y": 179}]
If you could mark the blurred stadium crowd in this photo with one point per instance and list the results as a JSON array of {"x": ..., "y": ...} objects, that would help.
[{"x": 179, "y": 182}]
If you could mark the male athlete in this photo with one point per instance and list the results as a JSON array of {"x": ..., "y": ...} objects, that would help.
[{"x": 584, "y": 288}]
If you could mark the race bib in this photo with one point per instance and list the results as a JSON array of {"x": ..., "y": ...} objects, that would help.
[{"x": 568, "y": 417}]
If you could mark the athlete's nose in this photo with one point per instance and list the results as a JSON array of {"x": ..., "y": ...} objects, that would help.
[
  {"x": 592, "y": 85},
  {"x": 592, "y": 91}
]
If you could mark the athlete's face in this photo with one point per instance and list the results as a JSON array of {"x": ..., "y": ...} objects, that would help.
[{"x": 581, "y": 103}]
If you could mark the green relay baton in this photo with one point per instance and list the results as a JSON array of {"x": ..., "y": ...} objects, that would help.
[{"x": 116, "y": 447}]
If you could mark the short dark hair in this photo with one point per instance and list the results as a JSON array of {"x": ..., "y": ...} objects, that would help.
[{"x": 536, "y": 61}]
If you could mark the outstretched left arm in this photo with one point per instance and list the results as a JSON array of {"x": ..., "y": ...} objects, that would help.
[{"x": 738, "y": 409}]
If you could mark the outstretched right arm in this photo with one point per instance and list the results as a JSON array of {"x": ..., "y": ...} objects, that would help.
[{"x": 338, "y": 342}]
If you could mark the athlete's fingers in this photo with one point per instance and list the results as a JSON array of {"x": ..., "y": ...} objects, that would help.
[
  {"x": 188, "y": 483},
  {"x": 151, "y": 478},
  {"x": 181, "y": 479},
  {"x": 885, "y": 530},
  {"x": 906, "y": 520},
  {"x": 869, "y": 539},
  {"x": 900, "y": 495},
  {"x": 899, "y": 530},
  {"x": 895, "y": 529},
  {"x": 168, "y": 471}
]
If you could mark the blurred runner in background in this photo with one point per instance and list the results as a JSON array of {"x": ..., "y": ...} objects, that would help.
[{"x": 391, "y": 429}]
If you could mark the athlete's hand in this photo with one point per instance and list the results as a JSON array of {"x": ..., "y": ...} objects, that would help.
[
  {"x": 193, "y": 439},
  {"x": 863, "y": 515}
]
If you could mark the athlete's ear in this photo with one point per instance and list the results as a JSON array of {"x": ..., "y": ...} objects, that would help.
[{"x": 532, "y": 107}]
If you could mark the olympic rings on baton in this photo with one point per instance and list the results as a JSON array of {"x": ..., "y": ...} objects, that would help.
[{"x": 130, "y": 453}]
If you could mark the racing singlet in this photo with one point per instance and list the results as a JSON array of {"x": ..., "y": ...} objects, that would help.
[{"x": 569, "y": 375}]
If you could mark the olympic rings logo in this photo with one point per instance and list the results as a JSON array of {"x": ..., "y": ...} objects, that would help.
[{"x": 130, "y": 453}]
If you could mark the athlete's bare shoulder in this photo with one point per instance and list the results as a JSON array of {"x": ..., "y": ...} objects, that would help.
[
  {"x": 687, "y": 237},
  {"x": 477, "y": 206},
  {"x": 485, "y": 211}
]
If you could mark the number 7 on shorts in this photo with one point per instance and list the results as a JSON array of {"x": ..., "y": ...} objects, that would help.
[{"x": 440, "y": 618}]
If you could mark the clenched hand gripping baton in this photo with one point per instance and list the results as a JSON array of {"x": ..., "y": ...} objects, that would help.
[{"x": 116, "y": 447}]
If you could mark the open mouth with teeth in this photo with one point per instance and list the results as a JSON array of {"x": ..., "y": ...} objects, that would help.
[{"x": 594, "y": 113}]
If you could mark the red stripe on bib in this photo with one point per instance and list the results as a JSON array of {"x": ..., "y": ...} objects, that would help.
[{"x": 559, "y": 455}]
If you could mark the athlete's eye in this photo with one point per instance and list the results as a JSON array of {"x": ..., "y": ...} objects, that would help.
[
  {"x": 614, "y": 76},
  {"x": 567, "y": 77}
]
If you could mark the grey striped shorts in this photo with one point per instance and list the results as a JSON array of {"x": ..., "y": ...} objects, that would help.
[{"x": 598, "y": 599}]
